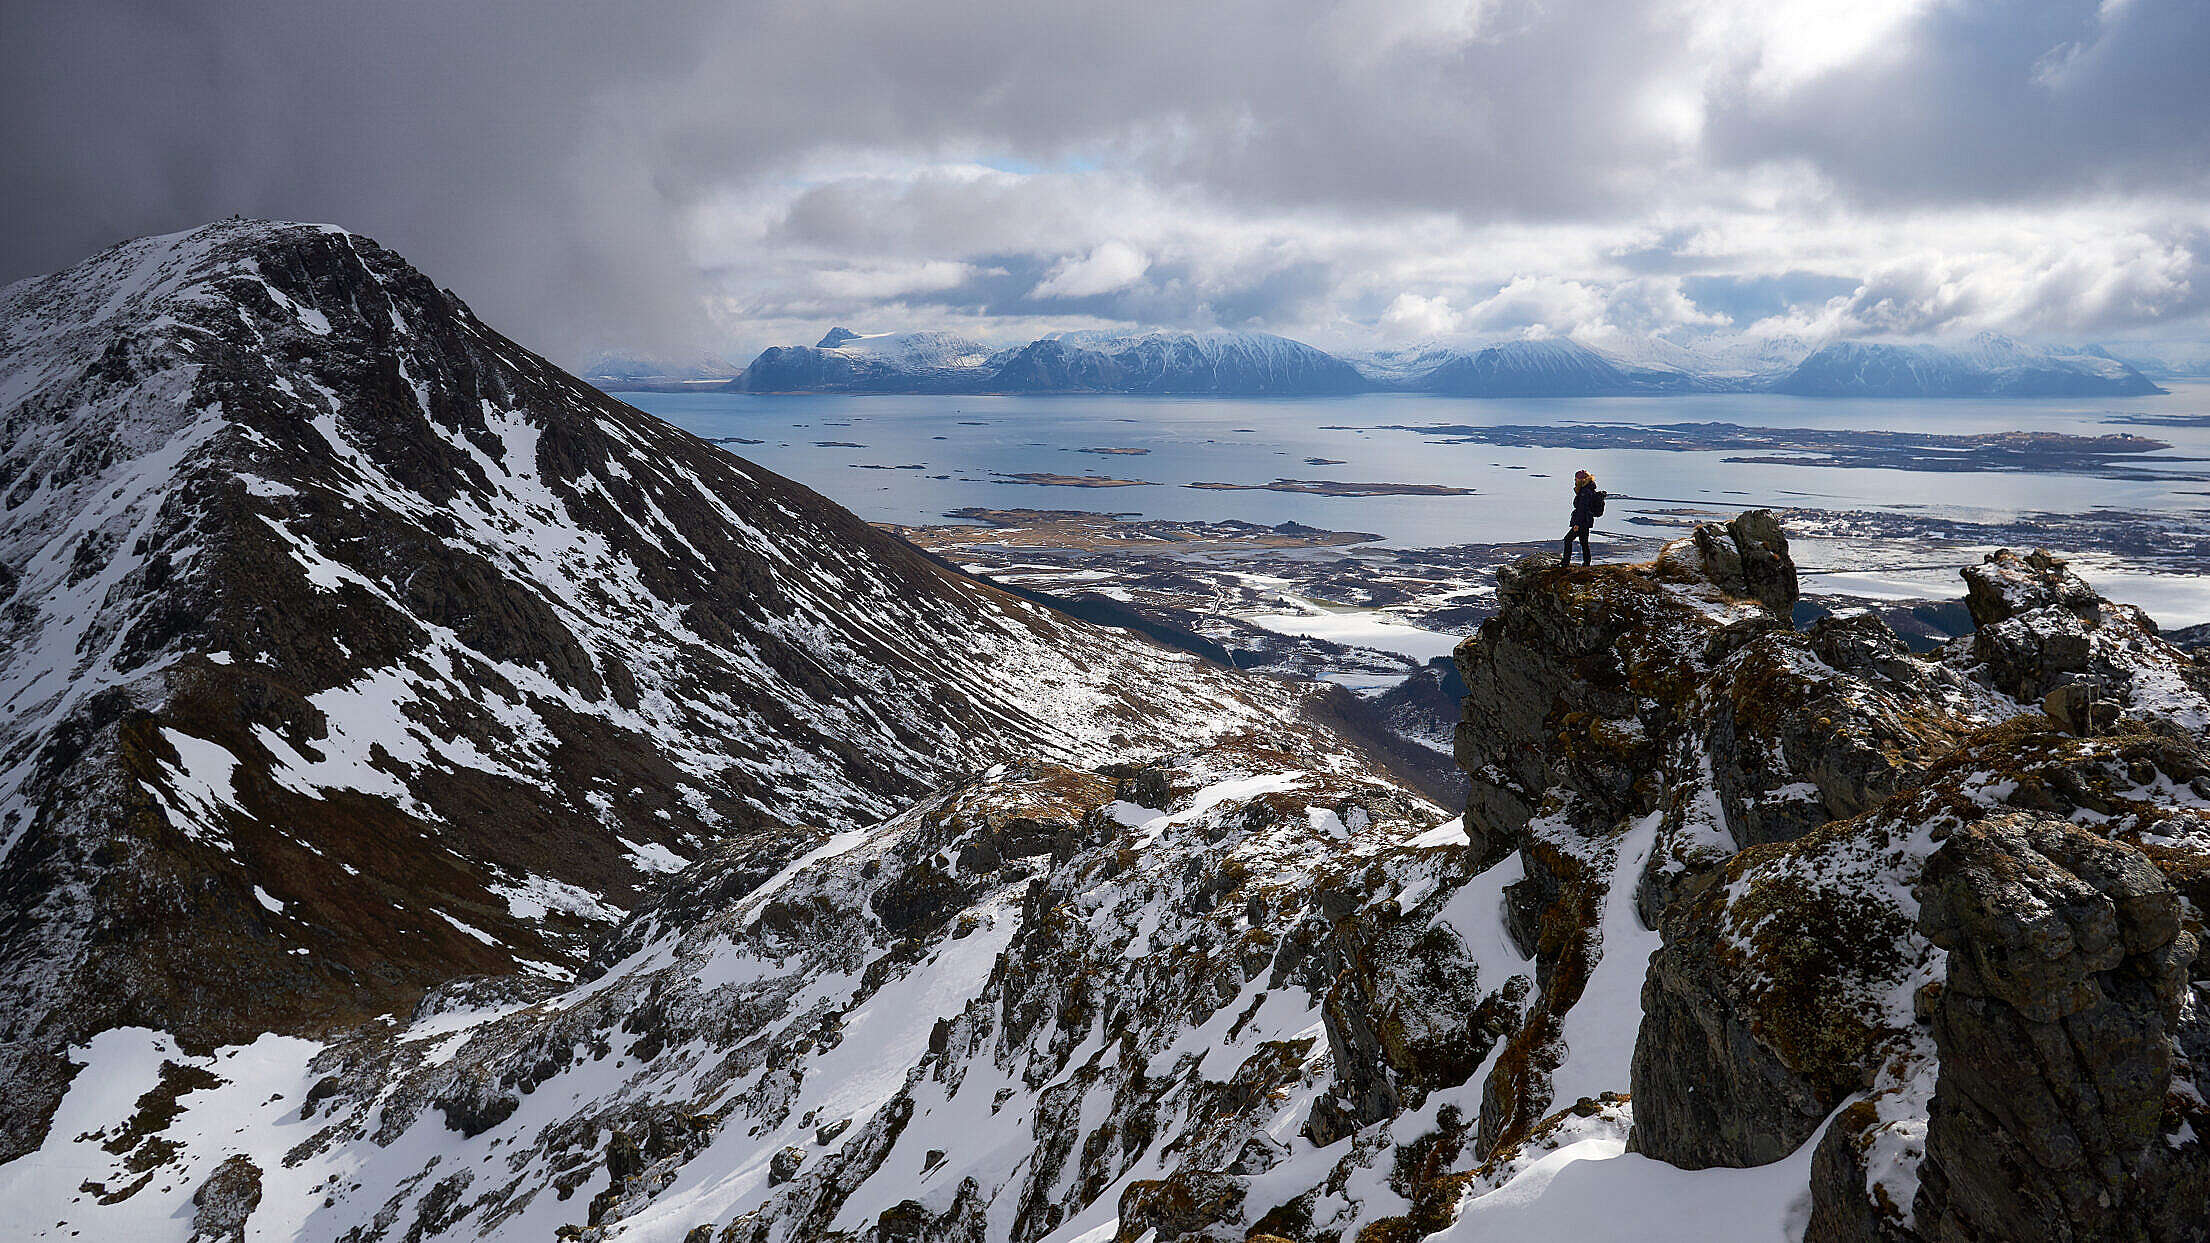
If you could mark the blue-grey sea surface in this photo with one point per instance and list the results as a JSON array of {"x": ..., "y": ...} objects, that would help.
[{"x": 1518, "y": 493}]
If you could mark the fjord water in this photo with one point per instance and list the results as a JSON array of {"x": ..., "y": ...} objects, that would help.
[{"x": 1518, "y": 493}]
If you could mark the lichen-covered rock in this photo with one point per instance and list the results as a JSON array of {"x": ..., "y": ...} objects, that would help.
[
  {"x": 223, "y": 1203},
  {"x": 1410, "y": 1010},
  {"x": 1772, "y": 999},
  {"x": 1191, "y": 1205},
  {"x": 2030, "y": 654},
  {"x": 2005, "y": 585},
  {"x": 1745, "y": 557},
  {"x": 2043, "y": 631},
  {"x": 2055, "y": 1115}
]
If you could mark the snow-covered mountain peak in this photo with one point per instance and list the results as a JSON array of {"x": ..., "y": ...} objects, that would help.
[
  {"x": 374, "y": 649},
  {"x": 742, "y": 875},
  {"x": 916, "y": 350},
  {"x": 1988, "y": 364}
]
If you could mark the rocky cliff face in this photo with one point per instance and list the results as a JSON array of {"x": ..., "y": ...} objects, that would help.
[
  {"x": 2058, "y": 1031},
  {"x": 1809, "y": 780}
]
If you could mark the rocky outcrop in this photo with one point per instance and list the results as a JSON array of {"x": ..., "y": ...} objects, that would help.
[
  {"x": 1754, "y": 1022},
  {"x": 1805, "y": 982},
  {"x": 223, "y": 1203},
  {"x": 2044, "y": 637},
  {"x": 1409, "y": 1010},
  {"x": 1798, "y": 782},
  {"x": 2055, "y": 1115},
  {"x": 1678, "y": 694},
  {"x": 1747, "y": 557}
]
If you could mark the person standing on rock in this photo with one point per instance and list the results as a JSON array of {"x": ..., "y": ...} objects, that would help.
[{"x": 1588, "y": 506}]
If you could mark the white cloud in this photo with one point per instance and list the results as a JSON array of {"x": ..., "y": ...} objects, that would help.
[
  {"x": 1774, "y": 46},
  {"x": 1111, "y": 266},
  {"x": 1337, "y": 169},
  {"x": 1411, "y": 317},
  {"x": 2047, "y": 279},
  {"x": 892, "y": 280}
]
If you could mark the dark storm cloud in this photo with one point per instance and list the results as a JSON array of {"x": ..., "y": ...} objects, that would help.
[
  {"x": 2003, "y": 102},
  {"x": 587, "y": 174},
  {"x": 450, "y": 131}
]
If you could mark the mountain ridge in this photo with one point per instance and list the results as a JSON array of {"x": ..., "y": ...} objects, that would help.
[
  {"x": 1225, "y": 363},
  {"x": 380, "y": 649},
  {"x": 1987, "y": 365},
  {"x": 975, "y": 924}
]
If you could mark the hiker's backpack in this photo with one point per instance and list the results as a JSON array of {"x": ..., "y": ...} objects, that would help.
[{"x": 1598, "y": 512}]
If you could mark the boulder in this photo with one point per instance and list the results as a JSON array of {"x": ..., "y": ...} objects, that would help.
[
  {"x": 1768, "y": 573},
  {"x": 2006, "y": 584},
  {"x": 1187, "y": 1204},
  {"x": 2059, "y": 1029},
  {"x": 1754, "y": 1024},
  {"x": 1858, "y": 640},
  {"x": 2075, "y": 707},
  {"x": 223, "y": 1203},
  {"x": 1746, "y": 557},
  {"x": 2030, "y": 654}
]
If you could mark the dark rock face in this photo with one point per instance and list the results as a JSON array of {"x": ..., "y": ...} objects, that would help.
[
  {"x": 1841, "y": 1211},
  {"x": 1709, "y": 1090},
  {"x": 1408, "y": 1013},
  {"x": 1053, "y": 366},
  {"x": 2054, "y": 1116},
  {"x": 1761, "y": 1010},
  {"x": 1554, "y": 659}
]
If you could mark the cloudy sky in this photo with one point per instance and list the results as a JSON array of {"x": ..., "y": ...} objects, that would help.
[{"x": 677, "y": 177}]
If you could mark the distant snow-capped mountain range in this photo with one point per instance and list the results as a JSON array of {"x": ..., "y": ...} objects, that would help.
[
  {"x": 1250, "y": 364},
  {"x": 1223, "y": 363}
]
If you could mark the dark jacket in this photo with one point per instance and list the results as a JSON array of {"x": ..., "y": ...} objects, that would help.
[{"x": 1584, "y": 506}]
